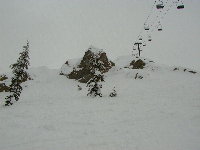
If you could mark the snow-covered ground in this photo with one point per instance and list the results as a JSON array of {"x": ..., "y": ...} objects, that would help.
[{"x": 159, "y": 112}]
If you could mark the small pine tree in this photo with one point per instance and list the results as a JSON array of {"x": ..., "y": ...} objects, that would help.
[
  {"x": 113, "y": 93},
  {"x": 19, "y": 75},
  {"x": 94, "y": 83},
  {"x": 94, "y": 86}
]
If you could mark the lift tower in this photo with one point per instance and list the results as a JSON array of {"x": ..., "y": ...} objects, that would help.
[{"x": 138, "y": 46}]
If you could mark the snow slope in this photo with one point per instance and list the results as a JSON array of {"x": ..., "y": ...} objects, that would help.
[{"x": 159, "y": 112}]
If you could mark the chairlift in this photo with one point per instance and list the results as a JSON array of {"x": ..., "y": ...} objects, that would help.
[
  {"x": 159, "y": 27},
  {"x": 149, "y": 38},
  {"x": 146, "y": 27},
  {"x": 144, "y": 43},
  {"x": 160, "y": 5},
  {"x": 134, "y": 48},
  {"x": 140, "y": 38},
  {"x": 180, "y": 6}
]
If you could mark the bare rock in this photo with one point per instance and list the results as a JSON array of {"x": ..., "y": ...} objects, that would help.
[
  {"x": 138, "y": 64},
  {"x": 83, "y": 73}
]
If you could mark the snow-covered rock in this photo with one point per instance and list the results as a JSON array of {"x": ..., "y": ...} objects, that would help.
[
  {"x": 69, "y": 66},
  {"x": 81, "y": 70}
]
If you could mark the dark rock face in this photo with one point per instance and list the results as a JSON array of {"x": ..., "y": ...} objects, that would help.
[
  {"x": 83, "y": 72},
  {"x": 139, "y": 64}
]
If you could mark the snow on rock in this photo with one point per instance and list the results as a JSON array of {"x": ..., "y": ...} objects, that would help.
[
  {"x": 81, "y": 71},
  {"x": 95, "y": 50},
  {"x": 69, "y": 66}
]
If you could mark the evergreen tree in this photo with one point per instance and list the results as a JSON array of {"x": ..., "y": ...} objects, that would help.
[
  {"x": 94, "y": 83},
  {"x": 95, "y": 86},
  {"x": 19, "y": 70}
]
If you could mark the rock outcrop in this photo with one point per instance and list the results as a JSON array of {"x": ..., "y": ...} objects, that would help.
[
  {"x": 82, "y": 71},
  {"x": 137, "y": 64}
]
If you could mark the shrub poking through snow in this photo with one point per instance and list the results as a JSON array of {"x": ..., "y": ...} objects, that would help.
[
  {"x": 79, "y": 87},
  {"x": 113, "y": 93},
  {"x": 19, "y": 75},
  {"x": 137, "y": 76}
]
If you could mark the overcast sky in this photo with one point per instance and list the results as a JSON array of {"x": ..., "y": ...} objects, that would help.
[{"x": 63, "y": 29}]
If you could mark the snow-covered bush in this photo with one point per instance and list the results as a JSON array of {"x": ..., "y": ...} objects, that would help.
[
  {"x": 94, "y": 89},
  {"x": 79, "y": 87}
]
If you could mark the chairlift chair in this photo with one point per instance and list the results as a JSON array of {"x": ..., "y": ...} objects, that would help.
[
  {"x": 144, "y": 43},
  {"x": 159, "y": 27},
  {"x": 180, "y": 6},
  {"x": 134, "y": 48},
  {"x": 149, "y": 38},
  {"x": 160, "y": 5},
  {"x": 146, "y": 27},
  {"x": 139, "y": 37}
]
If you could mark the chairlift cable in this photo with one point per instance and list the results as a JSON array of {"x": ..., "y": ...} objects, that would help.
[{"x": 150, "y": 11}]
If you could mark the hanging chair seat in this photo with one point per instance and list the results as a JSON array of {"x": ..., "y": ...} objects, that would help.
[
  {"x": 160, "y": 6},
  {"x": 146, "y": 27},
  {"x": 180, "y": 7}
]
